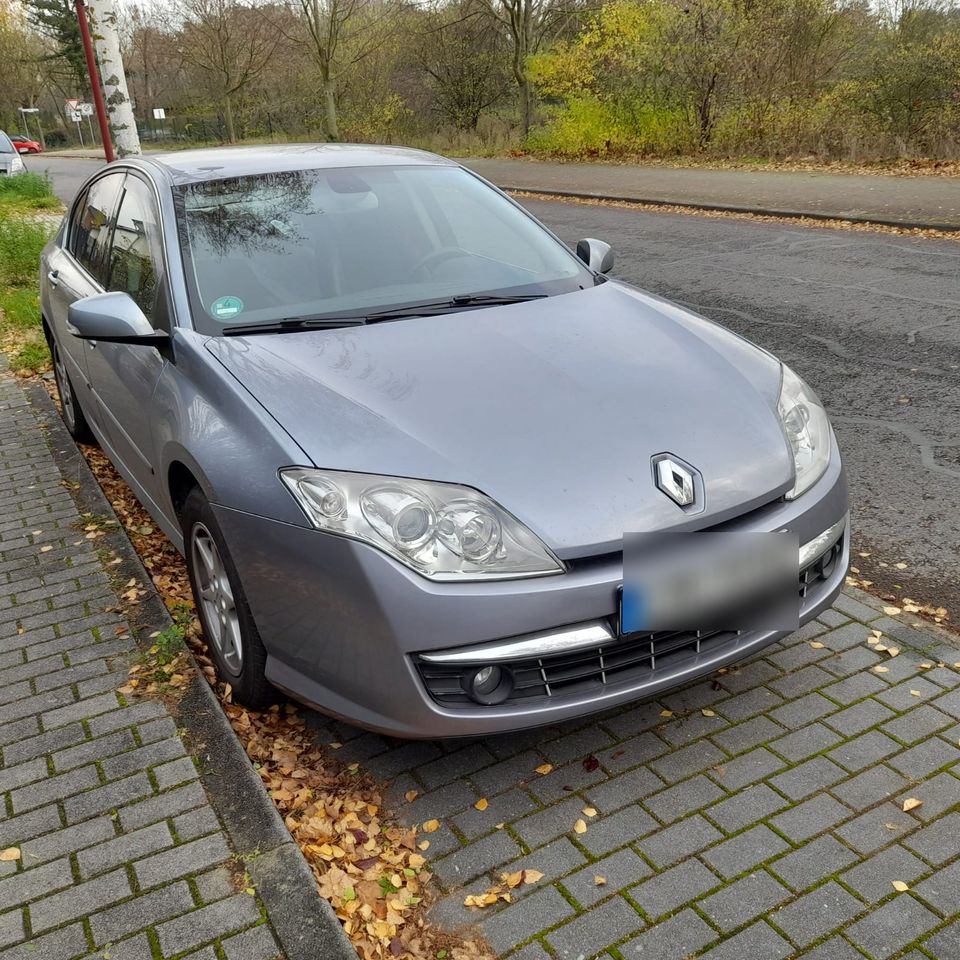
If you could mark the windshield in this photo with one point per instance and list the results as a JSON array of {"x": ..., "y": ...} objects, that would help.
[{"x": 352, "y": 241}]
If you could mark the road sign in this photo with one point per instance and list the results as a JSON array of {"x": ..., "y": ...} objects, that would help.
[
  {"x": 72, "y": 104},
  {"x": 159, "y": 113},
  {"x": 86, "y": 109},
  {"x": 76, "y": 116}
]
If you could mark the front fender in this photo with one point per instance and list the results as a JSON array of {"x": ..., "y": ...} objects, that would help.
[{"x": 206, "y": 420}]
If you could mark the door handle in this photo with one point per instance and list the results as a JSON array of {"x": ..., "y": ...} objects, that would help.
[{"x": 53, "y": 277}]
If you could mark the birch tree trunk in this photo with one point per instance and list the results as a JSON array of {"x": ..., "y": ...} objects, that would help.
[{"x": 123, "y": 126}]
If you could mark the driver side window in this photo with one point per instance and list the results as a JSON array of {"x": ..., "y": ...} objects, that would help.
[{"x": 134, "y": 261}]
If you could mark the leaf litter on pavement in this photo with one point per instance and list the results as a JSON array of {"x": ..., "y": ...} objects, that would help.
[{"x": 371, "y": 868}]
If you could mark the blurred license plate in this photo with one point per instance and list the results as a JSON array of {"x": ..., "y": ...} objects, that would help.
[{"x": 632, "y": 614}]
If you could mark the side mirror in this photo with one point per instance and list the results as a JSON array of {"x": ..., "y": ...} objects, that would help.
[
  {"x": 596, "y": 254},
  {"x": 113, "y": 318}
]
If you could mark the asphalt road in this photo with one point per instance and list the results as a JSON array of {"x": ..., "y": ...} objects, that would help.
[{"x": 871, "y": 320}]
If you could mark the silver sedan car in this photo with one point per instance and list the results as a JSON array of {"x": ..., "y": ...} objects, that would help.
[{"x": 432, "y": 471}]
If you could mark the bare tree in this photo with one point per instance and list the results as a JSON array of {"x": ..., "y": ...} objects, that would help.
[
  {"x": 465, "y": 60},
  {"x": 106, "y": 38},
  {"x": 338, "y": 34},
  {"x": 230, "y": 43},
  {"x": 529, "y": 23}
]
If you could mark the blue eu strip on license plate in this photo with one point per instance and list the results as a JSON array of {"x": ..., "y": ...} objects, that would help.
[{"x": 633, "y": 612}]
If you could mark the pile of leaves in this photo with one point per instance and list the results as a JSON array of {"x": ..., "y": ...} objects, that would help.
[{"x": 371, "y": 869}]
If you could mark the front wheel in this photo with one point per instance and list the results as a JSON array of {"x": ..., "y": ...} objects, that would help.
[
  {"x": 73, "y": 418},
  {"x": 232, "y": 637}
]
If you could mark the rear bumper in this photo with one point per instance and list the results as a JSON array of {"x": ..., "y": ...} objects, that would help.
[{"x": 345, "y": 626}]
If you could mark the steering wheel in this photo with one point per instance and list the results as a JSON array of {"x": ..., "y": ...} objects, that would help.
[{"x": 438, "y": 256}]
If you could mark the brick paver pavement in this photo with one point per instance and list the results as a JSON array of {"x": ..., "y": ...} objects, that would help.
[
  {"x": 763, "y": 819},
  {"x": 122, "y": 855},
  {"x": 770, "y": 827}
]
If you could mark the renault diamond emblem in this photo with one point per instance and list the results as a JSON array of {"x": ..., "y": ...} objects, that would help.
[{"x": 675, "y": 481}]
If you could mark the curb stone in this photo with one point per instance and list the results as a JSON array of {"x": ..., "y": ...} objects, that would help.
[
  {"x": 303, "y": 921},
  {"x": 945, "y": 227}
]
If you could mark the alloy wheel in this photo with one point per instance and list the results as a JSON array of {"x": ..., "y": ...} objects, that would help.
[{"x": 217, "y": 606}]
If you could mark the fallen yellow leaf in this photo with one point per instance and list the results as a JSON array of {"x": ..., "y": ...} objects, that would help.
[
  {"x": 544, "y": 769},
  {"x": 580, "y": 827},
  {"x": 431, "y": 826},
  {"x": 926, "y": 666},
  {"x": 915, "y": 693},
  {"x": 600, "y": 881},
  {"x": 589, "y": 811},
  {"x": 480, "y": 900},
  {"x": 423, "y": 845},
  {"x": 11, "y": 853},
  {"x": 911, "y": 803},
  {"x": 891, "y": 611},
  {"x": 816, "y": 644},
  {"x": 666, "y": 713},
  {"x": 532, "y": 876},
  {"x": 707, "y": 712},
  {"x": 900, "y": 886},
  {"x": 410, "y": 796},
  {"x": 512, "y": 879},
  {"x": 879, "y": 668},
  {"x": 481, "y": 804}
]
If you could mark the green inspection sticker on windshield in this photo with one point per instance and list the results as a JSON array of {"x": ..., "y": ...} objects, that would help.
[{"x": 224, "y": 308}]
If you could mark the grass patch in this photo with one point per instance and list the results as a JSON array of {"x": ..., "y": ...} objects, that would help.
[{"x": 26, "y": 201}]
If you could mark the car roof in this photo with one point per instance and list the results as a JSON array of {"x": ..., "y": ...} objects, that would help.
[{"x": 218, "y": 162}]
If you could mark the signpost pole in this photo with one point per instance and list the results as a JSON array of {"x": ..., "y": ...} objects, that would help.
[{"x": 94, "y": 83}]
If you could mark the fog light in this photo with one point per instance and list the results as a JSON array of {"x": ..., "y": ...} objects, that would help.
[{"x": 488, "y": 685}]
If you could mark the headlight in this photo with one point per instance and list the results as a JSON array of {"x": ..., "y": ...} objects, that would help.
[
  {"x": 807, "y": 428},
  {"x": 441, "y": 530}
]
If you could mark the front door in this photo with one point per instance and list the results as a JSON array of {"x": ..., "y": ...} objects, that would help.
[
  {"x": 123, "y": 376},
  {"x": 76, "y": 270}
]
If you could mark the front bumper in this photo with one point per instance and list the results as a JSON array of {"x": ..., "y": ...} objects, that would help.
[{"x": 349, "y": 631}]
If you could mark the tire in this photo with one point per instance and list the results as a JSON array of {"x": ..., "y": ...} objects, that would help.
[
  {"x": 73, "y": 418},
  {"x": 233, "y": 640}
]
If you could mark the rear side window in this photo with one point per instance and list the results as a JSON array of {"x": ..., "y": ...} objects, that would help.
[
  {"x": 5, "y": 145},
  {"x": 134, "y": 259},
  {"x": 91, "y": 225}
]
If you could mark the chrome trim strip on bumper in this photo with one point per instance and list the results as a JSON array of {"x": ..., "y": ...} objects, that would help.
[
  {"x": 823, "y": 542},
  {"x": 592, "y": 633},
  {"x": 533, "y": 645}
]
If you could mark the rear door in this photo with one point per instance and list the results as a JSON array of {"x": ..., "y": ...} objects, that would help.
[
  {"x": 75, "y": 269},
  {"x": 124, "y": 376}
]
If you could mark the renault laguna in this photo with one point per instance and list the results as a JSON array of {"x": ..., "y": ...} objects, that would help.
[{"x": 432, "y": 471}]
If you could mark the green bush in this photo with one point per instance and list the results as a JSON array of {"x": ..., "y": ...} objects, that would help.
[
  {"x": 21, "y": 240},
  {"x": 25, "y": 186}
]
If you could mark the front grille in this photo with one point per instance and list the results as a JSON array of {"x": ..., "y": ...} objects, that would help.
[
  {"x": 628, "y": 660},
  {"x": 578, "y": 673}
]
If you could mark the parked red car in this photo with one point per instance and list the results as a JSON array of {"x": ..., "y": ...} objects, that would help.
[{"x": 25, "y": 145}]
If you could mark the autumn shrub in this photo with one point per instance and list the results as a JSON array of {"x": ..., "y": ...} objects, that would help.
[{"x": 22, "y": 237}]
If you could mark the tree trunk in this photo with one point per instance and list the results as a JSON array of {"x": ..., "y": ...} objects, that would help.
[
  {"x": 228, "y": 118},
  {"x": 330, "y": 109},
  {"x": 123, "y": 126},
  {"x": 526, "y": 103}
]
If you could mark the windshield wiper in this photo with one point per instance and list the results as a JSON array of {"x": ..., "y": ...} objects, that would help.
[
  {"x": 451, "y": 303},
  {"x": 430, "y": 308},
  {"x": 292, "y": 325}
]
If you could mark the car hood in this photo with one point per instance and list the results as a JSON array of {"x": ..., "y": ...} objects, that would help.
[{"x": 552, "y": 407}]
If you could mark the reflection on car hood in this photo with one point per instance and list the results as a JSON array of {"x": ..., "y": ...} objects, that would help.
[{"x": 553, "y": 408}]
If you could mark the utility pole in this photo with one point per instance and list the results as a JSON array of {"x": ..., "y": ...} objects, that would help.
[{"x": 94, "y": 84}]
